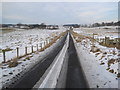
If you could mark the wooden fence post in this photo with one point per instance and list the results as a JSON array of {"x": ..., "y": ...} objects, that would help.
[
  {"x": 37, "y": 46},
  {"x": 17, "y": 52},
  {"x": 44, "y": 44},
  {"x": 25, "y": 50},
  {"x": 48, "y": 41},
  {"x": 99, "y": 40},
  {"x": 32, "y": 48},
  {"x": 93, "y": 35},
  {"x": 40, "y": 45},
  {"x": 4, "y": 56}
]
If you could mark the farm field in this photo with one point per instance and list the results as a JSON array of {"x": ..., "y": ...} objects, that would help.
[
  {"x": 21, "y": 39},
  {"x": 100, "y": 69},
  {"x": 24, "y": 38}
]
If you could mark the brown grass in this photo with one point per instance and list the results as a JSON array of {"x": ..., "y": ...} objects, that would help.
[
  {"x": 97, "y": 54},
  {"x": 78, "y": 40},
  {"x": 28, "y": 58},
  {"x": 13, "y": 63},
  {"x": 110, "y": 45},
  {"x": 77, "y": 36},
  {"x": 105, "y": 53},
  {"x": 112, "y": 71},
  {"x": 108, "y": 68},
  {"x": 102, "y": 63},
  {"x": 112, "y": 61},
  {"x": 94, "y": 49},
  {"x": 7, "y": 49},
  {"x": 118, "y": 75},
  {"x": 118, "y": 54},
  {"x": 102, "y": 57}
]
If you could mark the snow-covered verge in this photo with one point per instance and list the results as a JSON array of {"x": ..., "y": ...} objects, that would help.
[
  {"x": 100, "y": 64},
  {"x": 8, "y": 74},
  {"x": 24, "y": 38}
]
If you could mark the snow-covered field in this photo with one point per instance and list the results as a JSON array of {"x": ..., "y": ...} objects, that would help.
[
  {"x": 112, "y": 32},
  {"x": 25, "y": 38},
  {"x": 99, "y": 63},
  {"x": 22, "y": 38}
]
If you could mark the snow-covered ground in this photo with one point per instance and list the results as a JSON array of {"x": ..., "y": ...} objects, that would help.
[
  {"x": 99, "y": 63},
  {"x": 95, "y": 71},
  {"x": 111, "y": 32},
  {"x": 25, "y": 38}
]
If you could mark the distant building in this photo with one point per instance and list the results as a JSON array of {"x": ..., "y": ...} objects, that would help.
[
  {"x": 31, "y": 26},
  {"x": 52, "y": 27},
  {"x": 42, "y": 26},
  {"x": 22, "y": 26},
  {"x": 71, "y": 26},
  {"x": 8, "y": 25}
]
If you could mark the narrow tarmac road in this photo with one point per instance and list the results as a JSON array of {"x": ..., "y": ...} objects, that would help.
[{"x": 75, "y": 76}]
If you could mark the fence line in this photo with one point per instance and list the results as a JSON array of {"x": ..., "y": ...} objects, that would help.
[
  {"x": 25, "y": 50},
  {"x": 42, "y": 46},
  {"x": 106, "y": 41}
]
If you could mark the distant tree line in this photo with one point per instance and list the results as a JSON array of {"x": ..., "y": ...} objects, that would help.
[
  {"x": 31, "y": 26},
  {"x": 52, "y": 27},
  {"x": 93, "y": 25},
  {"x": 102, "y": 24},
  {"x": 106, "y": 24},
  {"x": 71, "y": 25}
]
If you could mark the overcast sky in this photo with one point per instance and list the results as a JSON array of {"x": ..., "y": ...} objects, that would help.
[{"x": 59, "y": 12}]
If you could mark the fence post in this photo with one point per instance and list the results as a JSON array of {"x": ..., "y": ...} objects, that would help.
[
  {"x": 48, "y": 41},
  {"x": 25, "y": 50},
  {"x": 93, "y": 35},
  {"x": 105, "y": 40},
  {"x": 17, "y": 52},
  {"x": 40, "y": 45},
  {"x": 37, "y": 46},
  {"x": 44, "y": 44},
  {"x": 99, "y": 40},
  {"x": 32, "y": 48},
  {"x": 4, "y": 56}
]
